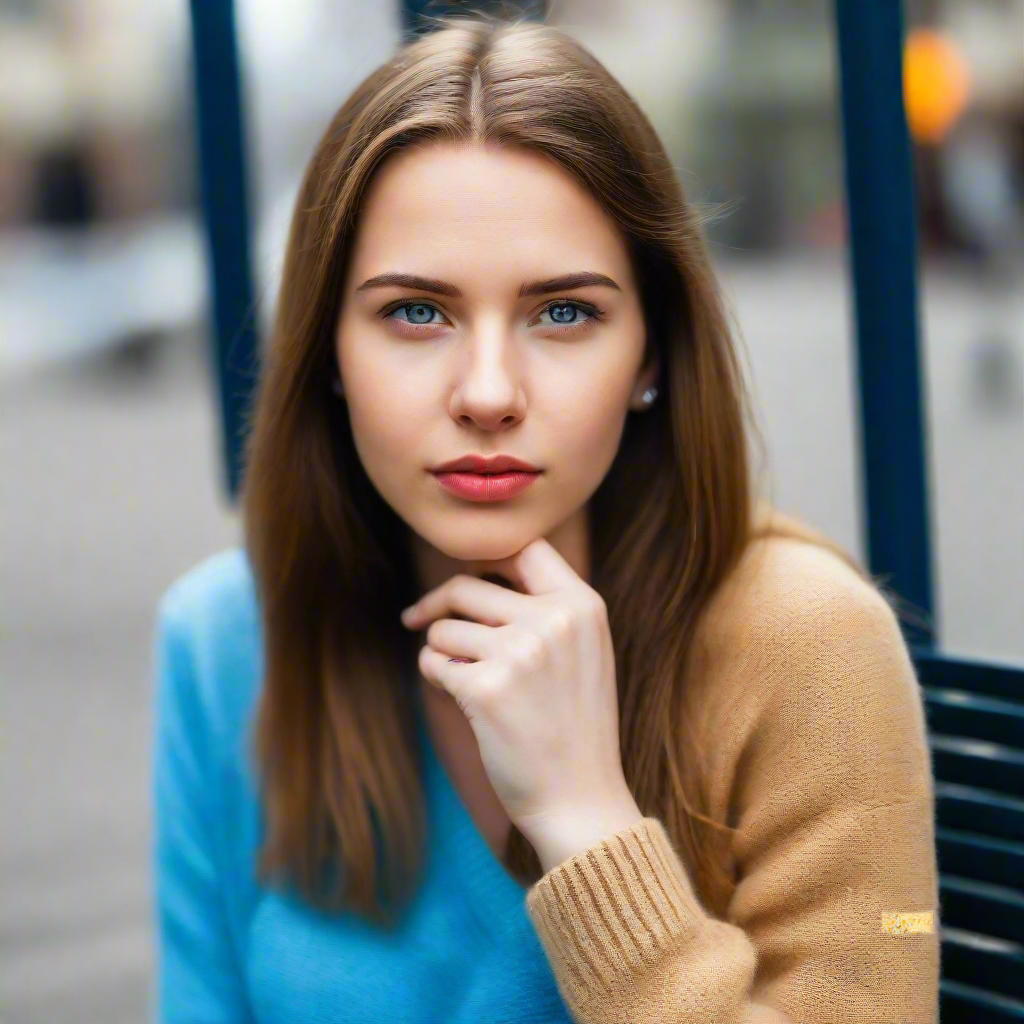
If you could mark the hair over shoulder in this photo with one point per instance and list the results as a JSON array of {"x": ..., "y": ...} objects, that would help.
[{"x": 334, "y": 739}]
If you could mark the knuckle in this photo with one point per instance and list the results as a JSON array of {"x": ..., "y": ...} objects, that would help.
[
  {"x": 597, "y": 608},
  {"x": 561, "y": 623},
  {"x": 494, "y": 682},
  {"x": 530, "y": 650}
]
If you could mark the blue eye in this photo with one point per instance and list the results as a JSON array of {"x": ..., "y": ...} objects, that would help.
[
  {"x": 563, "y": 314},
  {"x": 419, "y": 313},
  {"x": 568, "y": 314}
]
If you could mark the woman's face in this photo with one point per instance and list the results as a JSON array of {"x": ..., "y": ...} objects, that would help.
[{"x": 487, "y": 352}]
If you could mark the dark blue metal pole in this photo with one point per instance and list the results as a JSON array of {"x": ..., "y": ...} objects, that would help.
[
  {"x": 221, "y": 145},
  {"x": 883, "y": 250}
]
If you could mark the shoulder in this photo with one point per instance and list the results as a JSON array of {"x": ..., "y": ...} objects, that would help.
[
  {"x": 798, "y": 635},
  {"x": 208, "y": 638},
  {"x": 800, "y": 669},
  {"x": 218, "y": 590},
  {"x": 791, "y": 596}
]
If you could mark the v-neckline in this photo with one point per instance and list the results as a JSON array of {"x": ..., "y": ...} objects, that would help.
[{"x": 488, "y": 885}]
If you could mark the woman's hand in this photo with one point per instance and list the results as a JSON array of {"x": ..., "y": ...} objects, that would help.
[{"x": 539, "y": 692}]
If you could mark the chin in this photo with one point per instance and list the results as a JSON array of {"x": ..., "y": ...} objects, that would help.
[{"x": 484, "y": 543}]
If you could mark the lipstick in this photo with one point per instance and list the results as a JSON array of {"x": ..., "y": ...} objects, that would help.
[{"x": 486, "y": 486}]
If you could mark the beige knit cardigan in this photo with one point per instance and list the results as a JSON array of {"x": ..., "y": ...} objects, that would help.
[{"x": 804, "y": 696}]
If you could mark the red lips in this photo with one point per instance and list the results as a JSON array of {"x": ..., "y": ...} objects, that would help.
[{"x": 490, "y": 464}]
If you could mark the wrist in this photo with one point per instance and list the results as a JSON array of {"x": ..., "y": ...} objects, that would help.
[{"x": 557, "y": 838}]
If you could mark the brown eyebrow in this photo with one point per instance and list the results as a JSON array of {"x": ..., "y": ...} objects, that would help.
[{"x": 580, "y": 279}]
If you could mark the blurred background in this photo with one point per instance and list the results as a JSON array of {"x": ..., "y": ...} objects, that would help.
[{"x": 112, "y": 474}]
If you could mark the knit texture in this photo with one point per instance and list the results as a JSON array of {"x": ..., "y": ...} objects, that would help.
[
  {"x": 803, "y": 690},
  {"x": 815, "y": 759}
]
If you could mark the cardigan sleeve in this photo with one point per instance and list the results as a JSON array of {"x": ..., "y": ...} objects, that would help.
[
  {"x": 832, "y": 796},
  {"x": 197, "y": 977}
]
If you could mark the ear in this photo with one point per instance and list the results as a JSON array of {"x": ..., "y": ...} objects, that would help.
[{"x": 646, "y": 377}]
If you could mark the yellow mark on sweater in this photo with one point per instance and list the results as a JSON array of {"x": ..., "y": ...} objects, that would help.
[{"x": 907, "y": 924}]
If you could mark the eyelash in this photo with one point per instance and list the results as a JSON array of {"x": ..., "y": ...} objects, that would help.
[{"x": 592, "y": 311}]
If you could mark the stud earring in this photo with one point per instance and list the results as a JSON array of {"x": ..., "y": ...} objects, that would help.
[{"x": 649, "y": 396}]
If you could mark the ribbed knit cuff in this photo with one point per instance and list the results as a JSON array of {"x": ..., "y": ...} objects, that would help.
[{"x": 613, "y": 908}]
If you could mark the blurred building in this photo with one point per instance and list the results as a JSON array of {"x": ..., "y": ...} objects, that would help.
[{"x": 93, "y": 119}]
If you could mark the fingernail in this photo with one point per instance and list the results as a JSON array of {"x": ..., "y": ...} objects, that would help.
[{"x": 409, "y": 613}]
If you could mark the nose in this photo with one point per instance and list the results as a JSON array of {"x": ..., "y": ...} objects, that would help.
[{"x": 489, "y": 393}]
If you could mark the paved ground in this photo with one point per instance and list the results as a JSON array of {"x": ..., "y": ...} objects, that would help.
[
  {"x": 110, "y": 489},
  {"x": 109, "y": 492}
]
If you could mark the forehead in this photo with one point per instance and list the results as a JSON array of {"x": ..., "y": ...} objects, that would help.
[{"x": 483, "y": 209}]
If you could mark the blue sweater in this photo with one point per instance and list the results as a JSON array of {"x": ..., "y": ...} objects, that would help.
[{"x": 230, "y": 951}]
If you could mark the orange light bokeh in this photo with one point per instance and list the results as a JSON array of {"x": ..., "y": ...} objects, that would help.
[{"x": 936, "y": 84}]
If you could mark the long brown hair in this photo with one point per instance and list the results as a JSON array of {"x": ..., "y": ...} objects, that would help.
[{"x": 335, "y": 731}]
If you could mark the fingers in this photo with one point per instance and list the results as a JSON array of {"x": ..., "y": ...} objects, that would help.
[
  {"x": 543, "y": 570},
  {"x": 456, "y": 638},
  {"x": 484, "y": 602},
  {"x": 445, "y": 676}
]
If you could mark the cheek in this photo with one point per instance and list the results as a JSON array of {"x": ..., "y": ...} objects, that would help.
[
  {"x": 383, "y": 435},
  {"x": 589, "y": 440},
  {"x": 382, "y": 401},
  {"x": 384, "y": 431}
]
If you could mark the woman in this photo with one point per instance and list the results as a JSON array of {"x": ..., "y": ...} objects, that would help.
[{"x": 637, "y": 753}]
